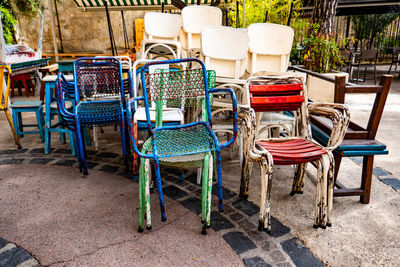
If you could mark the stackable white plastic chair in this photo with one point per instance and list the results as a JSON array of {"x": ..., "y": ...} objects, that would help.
[
  {"x": 269, "y": 51},
  {"x": 194, "y": 19},
  {"x": 269, "y": 47},
  {"x": 161, "y": 33},
  {"x": 225, "y": 51}
]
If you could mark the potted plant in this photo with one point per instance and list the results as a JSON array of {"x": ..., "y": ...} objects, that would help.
[{"x": 322, "y": 55}]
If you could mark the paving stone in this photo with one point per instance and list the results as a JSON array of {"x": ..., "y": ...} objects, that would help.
[
  {"x": 12, "y": 161},
  {"x": 41, "y": 160},
  {"x": 277, "y": 228},
  {"x": 66, "y": 162},
  {"x": 191, "y": 187},
  {"x": 91, "y": 152},
  {"x": 129, "y": 175},
  {"x": 192, "y": 203},
  {"x": 284, "y": 264},
  {"x": 174, "y": 192},
  {"x": 91, "y": 164},
  {"x": 63, "y": 151},
  {"x": 380, "y": 172},
  {"x": 277, "y": 256},
  {"x": 192, "y": 178},
  {"x": 38, "y": 151},
  {"x": 228, "y": 209},
  {"x": 236, "y": 216},
  {"x": 247, "y": 225},
  {"x": 249, "y": 208},
  {"x": 393, "y": 182},
  {"x": 239, "y": 242},
  {"x": 301, "y": 256},
  {"x": 182, "y": 183},
  {"x": 109, "y": 168},
  {"x": 170, "y": 178},
  {"x": 219, "y": 222},
  {"x": 226, "y": 193},
  {"x": 13, "y": 151},
  {"x": 107, "y": 155},
  {"x": 174, "y": 171},
  {"x": 13, "y": 257},
  {"x": 255, "y": 262},
  {"x": 261, "y": 238},
  {"x": 2, "y": 243}
]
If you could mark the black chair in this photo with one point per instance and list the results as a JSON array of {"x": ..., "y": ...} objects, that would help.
[
  {"x": 366, "y": 59},
  {"x": 395, "y": 51}
]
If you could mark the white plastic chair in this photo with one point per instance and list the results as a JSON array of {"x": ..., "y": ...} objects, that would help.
[
  {"x": 161, "y": 33},
  {"x": 269, "y": 47},
  {"x": 225, "y": 51},
  {"x": 194, "y": 19}
]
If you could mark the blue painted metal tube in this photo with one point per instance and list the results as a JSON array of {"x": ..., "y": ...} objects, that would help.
[{"x": 235, "y": 116}]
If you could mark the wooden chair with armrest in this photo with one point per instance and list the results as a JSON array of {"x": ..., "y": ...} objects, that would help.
[{"x": 358, "y": 141}]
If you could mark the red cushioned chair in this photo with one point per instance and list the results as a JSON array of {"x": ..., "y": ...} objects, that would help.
[{"x": 287, "y": 93}]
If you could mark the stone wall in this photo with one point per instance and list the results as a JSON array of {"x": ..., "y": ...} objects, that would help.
[{"x": 81, "y": 31}]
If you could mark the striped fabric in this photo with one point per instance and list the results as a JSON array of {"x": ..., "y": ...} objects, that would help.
[{"x": 127, "y": 3}]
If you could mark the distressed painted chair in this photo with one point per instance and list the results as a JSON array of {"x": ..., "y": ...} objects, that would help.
[
  {"x": 193, "y": 144},
  {"x": 194, "y": 19},
  {"x": 99, "y": 97},
  {"x": 161, "y": 32},
  {"x": 5, "y": 97},
  {"x": 269, "y": 51},
  {"x": 298, "y": 150}
]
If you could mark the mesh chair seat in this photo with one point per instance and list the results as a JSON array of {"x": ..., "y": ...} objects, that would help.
[
  {"x": 99, "y": 113},
  {"x": 292, "y": 152},
  {"x": 181, "y": 142}
]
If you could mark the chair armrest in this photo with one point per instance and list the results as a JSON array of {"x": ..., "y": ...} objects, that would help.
[
  {"x": 340, "y": 117},
  {"x": 235, "y": 115},
  {"x": 130, "y": 113}
]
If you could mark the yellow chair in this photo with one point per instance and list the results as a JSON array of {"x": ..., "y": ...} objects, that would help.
[{"x": 4, "y": 101}]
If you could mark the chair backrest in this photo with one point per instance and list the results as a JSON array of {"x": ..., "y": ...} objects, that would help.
[
  {"x": 194, "y": 19},
  {"x": 369, "y": 54},
  {"x": 4, "y": 94},
  {"x": 269, "y": 46},
  {"x": 175, "y": 87},
  {"x": 64, "y": 89},
  {"x": 97, "y": 78},
  {"x": 225, "y": 50},
  {"x": 280, "y": 93},
  {"x": 162, "y": 25}
]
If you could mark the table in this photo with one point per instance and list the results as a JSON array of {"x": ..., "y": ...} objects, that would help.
[{"x": 50, "y": 83}]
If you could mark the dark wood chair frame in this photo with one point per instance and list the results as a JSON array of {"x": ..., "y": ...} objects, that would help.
[
  {"x": 367, "y": 58},
  {"x": 358, "y": 137}
]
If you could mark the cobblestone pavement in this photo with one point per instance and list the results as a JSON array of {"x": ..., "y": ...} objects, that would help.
[{"x": 237, "y": 224}]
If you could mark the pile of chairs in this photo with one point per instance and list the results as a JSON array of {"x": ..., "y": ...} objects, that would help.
[{"x": 196, "y": 94}]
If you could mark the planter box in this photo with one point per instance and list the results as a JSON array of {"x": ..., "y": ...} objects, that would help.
[{"x": 323, "y": 91}]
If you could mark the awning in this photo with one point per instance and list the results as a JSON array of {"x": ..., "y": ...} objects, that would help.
[{"x": 93, "y": 5}]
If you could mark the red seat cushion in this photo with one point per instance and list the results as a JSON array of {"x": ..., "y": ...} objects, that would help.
[{"x": 292, "y": 152}]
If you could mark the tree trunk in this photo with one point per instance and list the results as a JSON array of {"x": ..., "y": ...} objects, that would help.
[{"x": 324, "y": 14}]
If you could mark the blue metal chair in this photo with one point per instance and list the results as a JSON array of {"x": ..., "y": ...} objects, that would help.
[
  {"x": 189, "y": 145},
  {"x": 99, "y": 97}
]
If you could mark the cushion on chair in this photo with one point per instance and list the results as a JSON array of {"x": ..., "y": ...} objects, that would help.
[{"x": 292, "y": 151}]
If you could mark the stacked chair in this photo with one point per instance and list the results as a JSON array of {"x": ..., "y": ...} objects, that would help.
[
  {"x": 99, "y": 96},
  {"x": 193, "y": 144},
  {"x": 288, "y": 93},
  {"x": 161, "y": 33},
  {"x": 4, "y": 99},
  {"x": 194, "y": 20}
]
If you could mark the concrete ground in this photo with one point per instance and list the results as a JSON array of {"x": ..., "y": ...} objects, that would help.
[{"x": 63, "y": 218}]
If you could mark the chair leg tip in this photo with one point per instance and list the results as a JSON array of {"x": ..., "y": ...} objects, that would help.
[
  {"x": 85, "y": 173},
  {"x": 148, "y": 227},
  {"x": 323, "y": 226},
  {"x": 140, "y": 229},
  {"x": 221, "y": 209},
  {"x": 19, "y": 147},
  {"x": 203, "y": 230},
  {"x": 203, "y": 221},
  {"x": 163, "y": 219},
  {"x": 315, "y": 226},
  {"x": 329, "y": 224},
  {"x": 244, "y": 196}
]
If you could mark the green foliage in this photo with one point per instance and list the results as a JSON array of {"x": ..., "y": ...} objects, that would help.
[
  {"x": 28, "y": 7},
  {"x": 370, "y": 29},
  {"x": 323, "y": 50},
  {"x": 277, "y": 11},
  {"x": 9, "y": 23}
]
